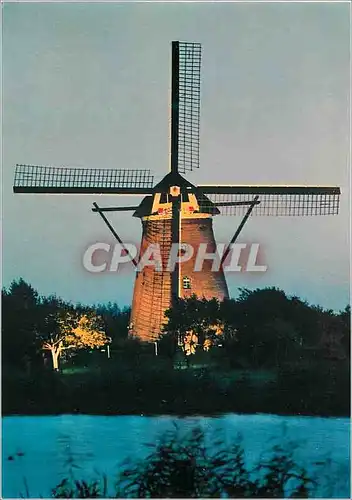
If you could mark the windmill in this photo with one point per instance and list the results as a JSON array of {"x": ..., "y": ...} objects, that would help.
[{"x": 174, "y": 211}]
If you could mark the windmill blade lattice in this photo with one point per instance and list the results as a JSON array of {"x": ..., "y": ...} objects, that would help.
[
  {"x": 276, "y": 200},
  {"x": 71, "y": 180},
  {"x": 189, "y": 106}
]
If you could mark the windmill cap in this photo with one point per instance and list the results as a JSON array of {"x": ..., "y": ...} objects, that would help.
[
  {"x": 167, "y": 185},
  {"x": 174, "y": 179}
]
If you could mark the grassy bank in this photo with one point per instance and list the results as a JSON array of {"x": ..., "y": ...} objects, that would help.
[
  {"x": 155, "y": 387},
  {"x": 276, "y": 354}
]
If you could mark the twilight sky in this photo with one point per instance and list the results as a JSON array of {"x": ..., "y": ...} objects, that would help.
[{"x": 87, "y": 85}]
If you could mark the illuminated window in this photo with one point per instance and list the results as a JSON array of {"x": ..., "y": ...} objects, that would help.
[{"x": 186, "y": 283}]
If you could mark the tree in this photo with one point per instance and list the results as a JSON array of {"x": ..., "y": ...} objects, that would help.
[
  {"x": 74, "y": 331},
  {"x": 269, "y": 327},
  {"x": 335, "y": 335},
  {"x": 345, "y": 325},
  {"x": 192, "y": 323},
  {"x": 115, "y": 321},
  {"x": 19, "y": 324}
]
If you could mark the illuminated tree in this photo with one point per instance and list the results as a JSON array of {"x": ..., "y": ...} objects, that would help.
[
  {"x": 189, "y": 343},
  {"x": 192, "y": 324},
  {"x": 74, "y": 331}
]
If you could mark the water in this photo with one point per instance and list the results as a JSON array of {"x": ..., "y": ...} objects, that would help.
[{"x": 49, "y": 445}]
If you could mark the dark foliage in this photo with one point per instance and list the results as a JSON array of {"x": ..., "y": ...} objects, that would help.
[
  {"x": 80, "y": 489},
  {"x": 262, "y": 328},
  {"x": 29, "y": 319},
  {"x": 116, "y": 321},
  {"x": 19, "y": 326},
  {"x": 181, "y": 466},
  {"x": 277, "y": 354},
  {"x": 152, "y": 386}
]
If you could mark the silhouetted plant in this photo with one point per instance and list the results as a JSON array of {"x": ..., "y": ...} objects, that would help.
[
  {"x": 189, "y": 466},
  {"x": 182, "y": 467},
  {"x": 81, "y": 489}
]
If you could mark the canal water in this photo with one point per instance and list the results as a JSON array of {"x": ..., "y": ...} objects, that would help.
[{"x": 39, "y": 451}]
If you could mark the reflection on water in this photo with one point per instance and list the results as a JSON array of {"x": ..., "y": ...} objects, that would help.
[{"x": 40, "y": 451}]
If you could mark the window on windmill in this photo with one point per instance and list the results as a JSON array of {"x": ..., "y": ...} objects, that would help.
[{"x": 186, "y": 283}]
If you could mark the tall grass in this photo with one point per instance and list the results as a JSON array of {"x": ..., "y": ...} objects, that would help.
[{"x": 182, "y": 466}]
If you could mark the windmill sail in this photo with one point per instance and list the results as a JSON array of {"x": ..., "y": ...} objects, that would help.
[
  {"x": 275, "y": 200},
  {"x": 70, "y": 180},
  {"x": 185, "y": 110},
  {"x": 185, "y": 102}
]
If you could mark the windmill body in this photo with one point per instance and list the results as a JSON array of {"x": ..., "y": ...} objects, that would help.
[
  {"x": 175, "y": 212},
  {"x": 153, "y": 287}
]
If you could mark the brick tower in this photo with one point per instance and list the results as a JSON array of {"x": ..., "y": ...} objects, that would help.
[{"x": 152, "y": 290}]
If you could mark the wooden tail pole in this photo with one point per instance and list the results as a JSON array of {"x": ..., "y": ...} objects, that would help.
[
  {"x": 239, "y": 229},
  {"x": 97, "y": 209}
]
